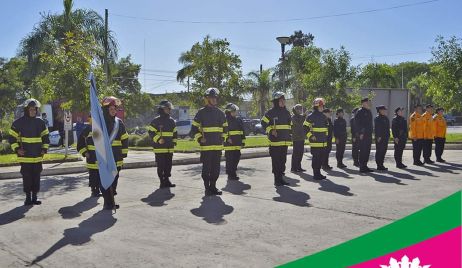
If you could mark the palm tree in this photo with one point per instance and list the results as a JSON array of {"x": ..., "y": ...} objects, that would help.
[
  {"x": 260, "y": 86},
  {"x": 53, "y": 28}
]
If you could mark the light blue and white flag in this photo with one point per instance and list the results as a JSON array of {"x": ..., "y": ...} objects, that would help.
[{"x": 106, "y": 163}]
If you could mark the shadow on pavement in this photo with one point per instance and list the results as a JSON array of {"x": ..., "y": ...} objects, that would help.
[
  {"x": 419, "y": 172},
  {"x": 290, "y": 196},
  {"x": 158, "y": 197},
  {"x": 236, "y": 187},
  {"x": 329, "y": 186},
  {"x": 212, "y": 210},
  {"x": 384, "y": 179},
  {"x": 99, "y": 222},
  {"x": 436, "y": 168},
  {"x": 13, "y": 215},
  {"x": 402, "y": 175},
  {"x": 76, "y": 210},
  {"x": 337, "y": 173}
]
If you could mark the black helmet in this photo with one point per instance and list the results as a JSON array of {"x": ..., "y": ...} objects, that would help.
[
  {"x": 211, "y": 92},
  {"x": 165, "y": 104}
]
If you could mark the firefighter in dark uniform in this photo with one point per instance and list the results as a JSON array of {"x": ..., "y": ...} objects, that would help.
[
  {"x": 298, "y": 138},
  {"x": 163, "y": 134},
  {"x": 340, "y": 135},
  {"x": 234, "y": 140},
  {"x": 354, "y": 138},
  {"x": 399, "y": 131},
  {"x": 382, "y": 135},
  {"x": 86, "y": 148},
  {"x": 208, "y": 129},
  {"x": 29, "y": 140},
  {"x": 316, "y": 126},
  {"x": 277, "y": 123},
  {"x": 116, "y": 130},
  {"x": 330, "y": 129},
  {"x": 363, "y": 124}
]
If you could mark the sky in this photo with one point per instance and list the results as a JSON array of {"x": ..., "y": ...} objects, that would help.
[{"x": 155, "y": 33}]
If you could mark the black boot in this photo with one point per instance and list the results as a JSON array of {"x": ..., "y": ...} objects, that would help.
[
  {"x": 284, "y": 182},
  {"x": 341, "y": 165},
  {"x": 168, "y": 183},
  {"x": 163, "y": 183},
  {"x": 28, "y": 201},
  {"x": 34, "y": 199},
  {"x": 213, "y": 188},
  {"x": 278, "y": 181}
]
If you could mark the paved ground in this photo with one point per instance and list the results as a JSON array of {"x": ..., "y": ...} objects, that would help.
[
  {"x": 454, "y": 129},
  {"x": 253, "y": 224}
]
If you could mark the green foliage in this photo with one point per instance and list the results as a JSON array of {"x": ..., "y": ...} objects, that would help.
[
  {"x": 212, "y": 64},
  {"x": 259, "y": 86},
  {"x": 299, "y": 39},
  {"x": 5, "y": 148},
  {"x": 12, "y": 87},
  {"x": 378, "y": 75}
]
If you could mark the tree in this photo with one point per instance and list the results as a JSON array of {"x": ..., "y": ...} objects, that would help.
[
  {"x": 377, "y": 75},
  {"x": 418, "y": 87},
  {"x": 406, "y": 71},
  {"x": 212, "y": 64},
  {"x": 53, "y": 29},
  {"x": 12, "y": 88},
  {"x": 299, "y": 39},
  {"x": 445, "y": 80},
  {"x": 259, "y": 85}
]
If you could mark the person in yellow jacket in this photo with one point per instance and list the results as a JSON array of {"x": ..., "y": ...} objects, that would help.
[
  {"x": 417, "y": 133},
  {"x": 429, "y": 133},
  {"x": 440, "y": 133}
]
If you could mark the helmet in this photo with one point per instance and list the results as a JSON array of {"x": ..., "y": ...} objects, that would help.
[
  {"x": 297, "y": 109},
  {"x": 165, "y": 104},
  {"x": 319, "y": 102},
  {"x": 212, "y": 92},
  {"x": 277, "y": 95},
  {"x": 31, "y": 103},
  {"x": 231, "y": 107},
  {"x": 110, "y": 100}
]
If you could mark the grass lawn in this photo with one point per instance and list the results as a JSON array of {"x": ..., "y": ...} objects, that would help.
[
  {"x": 454, "y": 137},
  {"x": 12, "y": 158}
]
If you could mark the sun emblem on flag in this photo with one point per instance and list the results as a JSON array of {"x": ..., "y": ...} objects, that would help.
[{"x": 404, "y": 263}]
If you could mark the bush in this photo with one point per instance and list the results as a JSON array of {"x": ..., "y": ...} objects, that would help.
[
  {"x": 143, "y": 141},
  {"x": 5, "y": 148}
]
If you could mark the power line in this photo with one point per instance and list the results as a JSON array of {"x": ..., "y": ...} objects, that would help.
[
  {"x": 279, "y": 20},
  {"x": 160, "y": 75},
  {"x": 391, "y": 55}
]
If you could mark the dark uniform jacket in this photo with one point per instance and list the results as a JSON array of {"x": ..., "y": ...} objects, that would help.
[
  {"x": 298, "y": 131},
  {"x": 399, "y": 128},
  {"x": 382, "y": 128},
  {"x": 163, "y": 127},
  {"x": 119, "y": 145},
  {"x": 30, "y": 134},
  {"x": 209, "y": 122},
  {"x": 235, "y": 132},
  {"x": 316, "y": 125},
  {"x": 363, "y": 122},
  {"x": 353, "y": 128},
  {"x": 279, "y": 119},
  {"x": 340, "y": 131},
  {"x": 330, "y": 130}
]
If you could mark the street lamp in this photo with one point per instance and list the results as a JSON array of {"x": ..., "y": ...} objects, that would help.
[{"x": 283, "y": 40}]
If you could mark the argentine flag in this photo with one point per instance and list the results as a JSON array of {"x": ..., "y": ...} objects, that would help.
[{"x": 106, "y": 163}]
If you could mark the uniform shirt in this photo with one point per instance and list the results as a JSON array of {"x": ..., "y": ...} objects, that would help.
[
  {"x": 298, "y": 131},
  {"x": 278, "y": 119},
  {"x": 316, "y": 126},
  {"x": 440, "y": 126},
  {"x": 235, "y": 133},
  {"x": 429, "y": 126},
  {"x": 363, "y": 122},
  {"x": 210, "y": 123},
  {"x": 382, "y": 127},
  {"x": 399, "y": 128},
  {"x": 163, "y": 127},
  {"x": 416, "y": 126},
  {"x": 340, "y": 131},
  {"x": 330, "y": 130},
  {"x": 353, "y": 129},
  {"x": 30, "y": 134}
]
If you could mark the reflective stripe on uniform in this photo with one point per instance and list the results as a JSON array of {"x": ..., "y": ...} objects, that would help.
[
  {"x": 212, "y": 129},
  {"x": 236, "y": 132},
  {"x": 318, "y": 144},
  {"x": 124, "y": 136},
  {"x": 45, "y": 146},
  {"x": 319, "y": 129},
  {"x": 277, "y": 127},
  {"x": 125, "y": 151},
  {"x": 306, "y": 123},
  {"x": 212, "y": 148},
  {"x": 119, "y": 163},
  {"x": 92, "y": 166},
  {"x": 280, "y": 143},
  {"x": 156, "y": 138},
  {"x": 116, "y": 143},
  {"x": 151, "y": 128},
  {"x": 309, "y": 134},
  {"x": 43, "y": 133},
  {"x": 83, "y": 150},
  {"x": 225, "y": 124},
  {"x": 13, "y": 133},
  {"x": 232, "y": 148},
  {"x": 195, "y": 123},
  {"x": 167, "y": 134},
  {"x": 163, "y": 150},
  {"x": 91, "y": 147},
  {"x": 31, "y": 140},
  {"x": 14, "y": 146},
  {"x": 265, "y": 119},
  {"x": 30, "y": 159},
  {"x": 197, "y": 136}
]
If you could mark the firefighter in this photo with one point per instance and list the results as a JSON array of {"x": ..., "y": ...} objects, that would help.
[
  {"x": 298, "y": 138},
  {"x": 208, "y": 129},
  {"x": 440, "y": 134},
  {"x": 330, "y": 128},
  {"x": 234, "y": 140},
  {"x": 382, "y": 135},
  {"x": 29, "y": 140},
  {"x": 277, "y": 123},
  {"x": 316, "y": 126},
  {"x": 340, "y": 135},
  {"x": 400, "y": 132},
  {"x": 417, "y": 133},
  {"x": 86, "y": 148},
  {"x": 429, "y": 133},
  {"x": 119, "y": 137},
  {"x": 363, "y": 123},
  {"x": 163, "y": 134},
  {"x": 354, "y": 138}
]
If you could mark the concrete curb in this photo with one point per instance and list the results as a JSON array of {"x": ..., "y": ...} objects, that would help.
[{"x": 176, "y": 162}]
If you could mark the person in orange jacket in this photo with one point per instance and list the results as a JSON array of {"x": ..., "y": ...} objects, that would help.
[
  {"x": 429, "y": 133},
  {"x": 417, "y": 133},
  {"x": 440, "y": 133}
]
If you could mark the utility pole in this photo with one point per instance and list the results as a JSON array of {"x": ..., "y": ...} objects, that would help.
[
  {"x": 188, "y": 83},
  {"x": 402, "y": 77},
  {"x": 144, "y": 64},
  {"x": 106, "y": 65}
]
